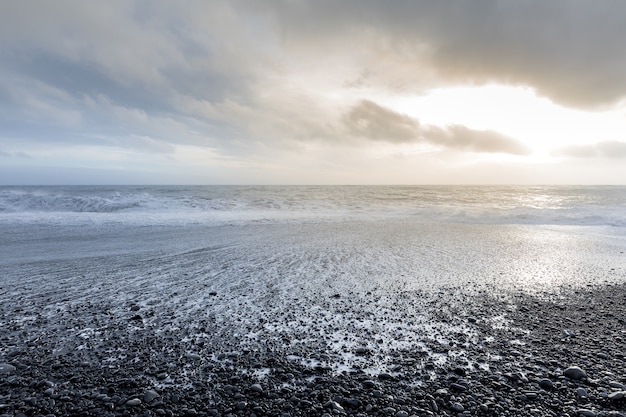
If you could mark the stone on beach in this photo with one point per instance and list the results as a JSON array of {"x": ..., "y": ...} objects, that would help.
[
  {"x": 546, "y": 384},
  {"x": 6, "y": 368},
  {"x": 575, "y": 372},
  {"x": 617, "y": 395},
  {"x": 256, "y": 388},
  {"x": 149, "y": 396}
]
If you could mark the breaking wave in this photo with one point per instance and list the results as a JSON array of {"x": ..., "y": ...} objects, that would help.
[{"x": 558, "y": 205}]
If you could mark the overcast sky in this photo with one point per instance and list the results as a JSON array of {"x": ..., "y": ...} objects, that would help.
[{"x": 312, "y": 92}]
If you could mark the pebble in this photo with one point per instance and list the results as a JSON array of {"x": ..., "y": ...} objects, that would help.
[
  {"x": 457, "y": 407},
  {"x": 574, "y": 372},
  {"x": 458, "y": 387},
  {"x": 133, "y": 402},
  {"x": 6, "y": 368},
  {"x": 617, "y": 395},
  {"x": 334, "y": 405},
  {"x": 361, "y": 350},
  {"x": 618, "y": 385},
  {"x": 368, "y": 383},
  {"x": 289, "y": 387},
  {"x": 581, "y": 393},
  {"x": 546, "y": 384},
  {"x": 149, "y": 396}
]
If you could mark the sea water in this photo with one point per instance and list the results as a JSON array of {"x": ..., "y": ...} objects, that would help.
[
  {"x": 403, "y": 235},
  {"x": 215, "y": 205},
  {"x": 330, "y": 267}
]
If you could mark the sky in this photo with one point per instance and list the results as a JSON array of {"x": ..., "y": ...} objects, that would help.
[{"x": 313, "y": 92}]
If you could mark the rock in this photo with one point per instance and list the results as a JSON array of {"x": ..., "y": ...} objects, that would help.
[
  {"x": 353, "y": 402},
  {"x": 574, "y": 372},
  {"x": 6, "y": 368},
  {"x": 194, "y": 356},
  {"x": 133, "y": 402},
  {"x": 361, "y": 350},
  {"x": 458, "y": 387},
  {"x": 241, "y": 405},
  {"x": 585, "y": 413},
  {"x": 402, "y": 413},
  {"x": 546, "y": 384},
  {"x": 581, "y": 393},
  {"x": 334, "y": 405},
  {"x": 441, "y": 392},
  {"x": 459, "y": 371},
  {"x": 457, "y": 407},
  {"x": 256, "y": 388},
  {"x": 149, "y": 396},
  {"x": 368, "y": 383},
  {"x": 384, "y": 376},
  {"x": 617, "y": 395}
]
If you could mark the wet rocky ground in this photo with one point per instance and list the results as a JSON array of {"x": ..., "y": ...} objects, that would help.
[{"x": 519, "y": 355}]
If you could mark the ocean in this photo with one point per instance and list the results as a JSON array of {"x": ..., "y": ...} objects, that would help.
[
  {"x": 311, "y": 274},
  {"x": 415, "y": 236},
  {"x": 240, "y": 205}
]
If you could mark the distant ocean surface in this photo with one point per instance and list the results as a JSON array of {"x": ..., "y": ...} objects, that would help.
[{"x": 240, "y": 205}]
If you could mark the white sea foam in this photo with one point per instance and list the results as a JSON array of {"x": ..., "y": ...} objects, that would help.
[
  {"x": 315, "y": 290},
  {"x": 219, "y": 205}
]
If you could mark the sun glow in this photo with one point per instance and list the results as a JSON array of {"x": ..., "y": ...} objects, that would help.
[{"x": 514, "y": 111}]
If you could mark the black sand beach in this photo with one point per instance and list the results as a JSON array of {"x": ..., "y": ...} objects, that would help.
[
  {"x": 564, "y": 356},
  {"x": 393, "y": 319}
]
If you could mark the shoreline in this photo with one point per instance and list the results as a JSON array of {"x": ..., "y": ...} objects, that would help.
[{"x": 515, "y": 358}]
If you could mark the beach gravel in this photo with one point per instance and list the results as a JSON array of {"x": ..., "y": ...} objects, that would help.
[{"x": 513, "y": 359}]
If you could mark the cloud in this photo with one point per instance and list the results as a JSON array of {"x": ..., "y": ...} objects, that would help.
[
  {"x": 369, "y": 120},
  {"x": 248, "y": 80},
  {"x": 374, "y": 122},
  {"x": 605, "y": 149},
  {"x": 461, "y": 137},
  {"x": 16, "y": 155},
  {"x": 570, "y": 51}
]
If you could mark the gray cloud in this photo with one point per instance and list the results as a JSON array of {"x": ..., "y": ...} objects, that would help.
[
  {"x": 374, "y": 122},
  {"x": 569, "y": 50},
  {"x": 605, "y": 149},
  {"x": 246, "y": 78},
  {"x": 18, "y": 154},
  {"x": 461, "y": 137},
  {"x": 369, "y": 120}
]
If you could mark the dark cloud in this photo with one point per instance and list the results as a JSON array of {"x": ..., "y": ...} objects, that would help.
[
  {"x": 605, "y": 149},
  {"x": 245, "y": 78},
  {"x": 374, "y": 122},
  {"x": 569, "y": 50}
]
